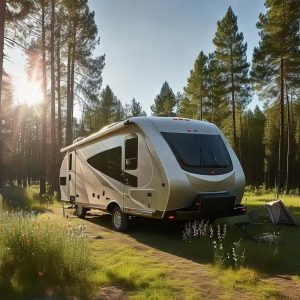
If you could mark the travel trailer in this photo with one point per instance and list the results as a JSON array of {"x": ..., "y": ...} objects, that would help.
[{"x": 154, "y": 167}]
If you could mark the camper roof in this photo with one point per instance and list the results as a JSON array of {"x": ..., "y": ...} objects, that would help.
[{"x": 168, "y": 124}]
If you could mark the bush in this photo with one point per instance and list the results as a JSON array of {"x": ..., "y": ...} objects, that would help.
[{"x": 37, "y": 256}]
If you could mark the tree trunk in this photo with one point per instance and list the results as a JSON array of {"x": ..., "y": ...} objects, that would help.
[
  {"x": 44, "y": 110},
  {"x": 59, "y": 123},
  {"x": 201, "y": 108},
  {"x": 69, "y": 103},
  {"x": 288, "y": 152},
  {"x": 2, "y": 27},
  {"x": 233, "y": 104},
  {"x": 281, "y": 130},
  {"x": 90, "y": 121},
  {"x": 72, "y": 78},
  {"x": 53, "y": 176}
]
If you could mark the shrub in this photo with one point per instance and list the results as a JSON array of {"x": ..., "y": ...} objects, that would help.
[{"x": 37, "y": 256}]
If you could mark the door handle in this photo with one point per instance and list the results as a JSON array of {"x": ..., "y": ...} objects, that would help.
[{"x": 69, "y": 176}]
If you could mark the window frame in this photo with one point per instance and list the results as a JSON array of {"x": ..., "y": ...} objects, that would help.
[{"x": 131, "y": 159}]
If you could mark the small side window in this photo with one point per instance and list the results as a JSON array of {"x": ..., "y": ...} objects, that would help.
[
  {"x": 62, "y": 180},
  {"x": 70, "y": 162},
  {"x": 131, "y": 153}
]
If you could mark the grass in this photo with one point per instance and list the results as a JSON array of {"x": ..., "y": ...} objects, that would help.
[
  {"x": 296, "y": 278},
  {"x": 137, "y": 272},
  {"x": 268, "y": 258},
  {"x": 247, "y": 280},
  {"x": 39, "y": 257},
  {"x": 142, "y": 277}
]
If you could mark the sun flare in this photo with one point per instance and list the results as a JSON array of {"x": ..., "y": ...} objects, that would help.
[{"x": 27, "y": 91}]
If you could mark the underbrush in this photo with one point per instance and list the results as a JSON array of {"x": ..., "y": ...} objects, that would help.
[
  {"x": 262, "y": 190},
  {"x": 26, "y": 198},
  {"x": 38, "y": 257}
]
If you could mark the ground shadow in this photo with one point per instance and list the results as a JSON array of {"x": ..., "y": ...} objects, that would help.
[{"x": 167, "y": 236}]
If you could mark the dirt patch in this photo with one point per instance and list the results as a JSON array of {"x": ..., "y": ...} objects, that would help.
[
  {"x": 109, "y": 293},
  {"x": 289, "y": 288}
]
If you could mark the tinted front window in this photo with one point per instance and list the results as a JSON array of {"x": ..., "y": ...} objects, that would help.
[
  {"x": 108, "y": 162},
  {"x": 199, "y": 153}
]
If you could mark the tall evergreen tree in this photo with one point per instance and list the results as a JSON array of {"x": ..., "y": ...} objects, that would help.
[
  {"x": 109, "y": 110},
  {"x": 231, "y": 55},
  {"x": 186, "y": 109},
  {"x": 217, "y": 98},
  {"x": 135, "y": 109},
  {"x": 82, "y": 40},
  {"x": 197, "y": 85},
  {"x": 276, "y": 63},
  {"x": 165, "y": 102}
]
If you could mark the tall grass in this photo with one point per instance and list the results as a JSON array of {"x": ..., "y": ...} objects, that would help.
[{"x": 39, "y": 257}]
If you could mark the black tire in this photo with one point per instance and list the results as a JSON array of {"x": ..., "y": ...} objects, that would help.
[
  {"x": 80, "y": 211},
  {"x": 119, "y": 220}
]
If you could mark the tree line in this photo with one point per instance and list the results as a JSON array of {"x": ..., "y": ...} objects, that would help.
[{"x": 59, "y": 38}]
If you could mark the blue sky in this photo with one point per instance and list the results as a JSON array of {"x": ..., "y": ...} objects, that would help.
[{"x": 147, "y": 42}]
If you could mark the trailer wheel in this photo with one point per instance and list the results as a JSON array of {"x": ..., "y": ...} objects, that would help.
[
  {"x": 80, "y": 211},
  {"x": 119, "y": 220}
]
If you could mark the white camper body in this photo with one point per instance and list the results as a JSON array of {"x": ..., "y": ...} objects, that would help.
[{"x": 154, "y": 167}]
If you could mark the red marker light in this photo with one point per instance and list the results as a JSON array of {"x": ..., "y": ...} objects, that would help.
[{"x": 171, "y": 217}]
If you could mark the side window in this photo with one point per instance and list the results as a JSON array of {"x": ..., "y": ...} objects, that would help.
[
  {"x": 131, "y": 153},
  {"x": 108, "y": 162},
  {"x": 70, "y": 162}
]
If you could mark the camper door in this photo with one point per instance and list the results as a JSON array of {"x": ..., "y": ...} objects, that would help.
[{"x": 72, "y": 175}]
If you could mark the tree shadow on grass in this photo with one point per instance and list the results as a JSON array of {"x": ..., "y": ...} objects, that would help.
[
  {"x": 163, "y": 235},
  {"x": 167, "y": 236}
]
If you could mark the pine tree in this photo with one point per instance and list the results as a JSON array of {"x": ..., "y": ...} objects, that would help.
[
  {"x": 197, "y": 86},
  {"x": 82, "y": 40},
  {"x": 231, "y": 55},
  {"x": 217, "y": 98},
  {"x": 109, "y": 110},
  {"x": 165, "y": 102},
  {"x": 186, "y": 108},
  {"x": 276, "y": 64},
  {"x": 135, "y": 109}
]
